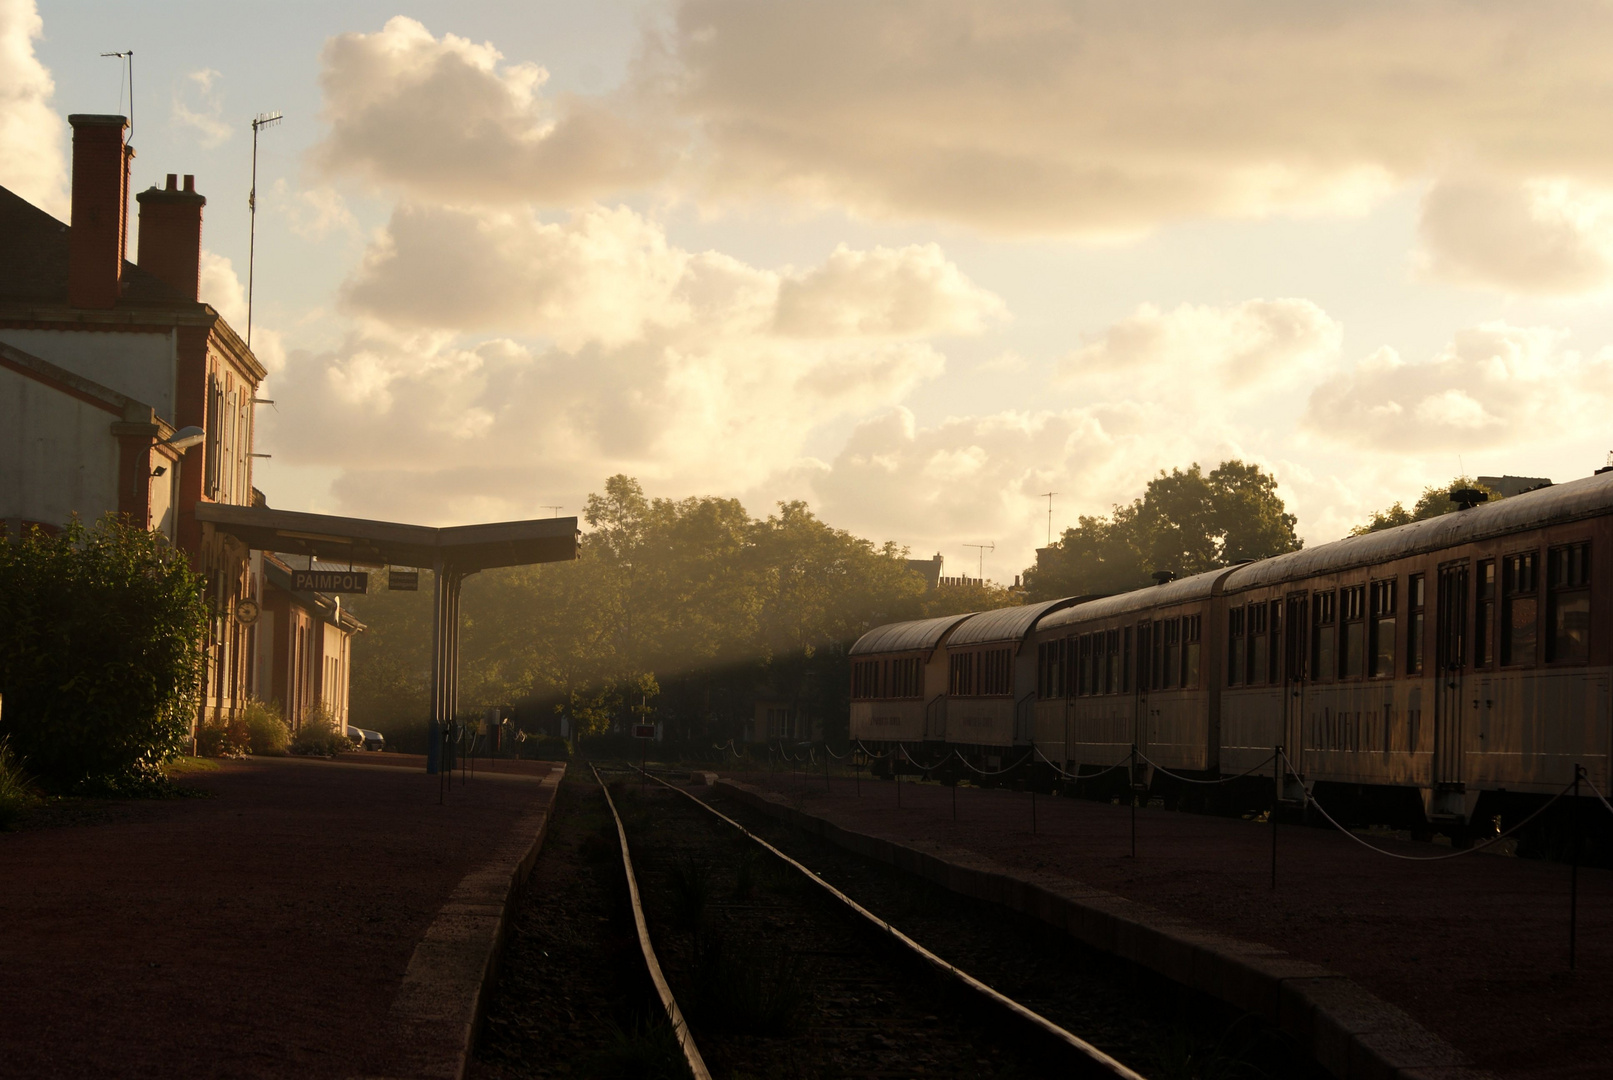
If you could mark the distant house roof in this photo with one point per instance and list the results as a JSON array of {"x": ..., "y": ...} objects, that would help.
[
  {"x": 1005, "y": 624},
  {"x": 920, "y": 634}
]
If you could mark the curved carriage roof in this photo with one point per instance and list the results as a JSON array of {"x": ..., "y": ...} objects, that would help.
[
  {"x": 1578, "y": 499},
  {"x": 1005, "y": 624},
  {"x": 907, "y": 636},
  {"x": 1180, "y": 591}
]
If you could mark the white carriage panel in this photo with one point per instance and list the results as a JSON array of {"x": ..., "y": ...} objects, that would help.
[
  {"x": 1366, "y": 733},
  {"x": 1251, "y": 724},
  {"x": 1178, "y": 729},
  {"x": 980, "y": 721},
  {"x": 1531, "y": 728},
  {"x": 887, "y": 721},
  {"x": 1051, "y": 729}
]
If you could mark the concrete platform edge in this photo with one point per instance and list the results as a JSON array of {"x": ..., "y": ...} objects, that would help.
[
  {"x": 1351, "y": 1032},
  {"x": 444, "y": 992}
]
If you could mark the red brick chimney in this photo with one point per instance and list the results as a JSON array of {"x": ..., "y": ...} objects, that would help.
[
  {"x": 171, "y": 234},
  {"x": 100, "y": 233}
]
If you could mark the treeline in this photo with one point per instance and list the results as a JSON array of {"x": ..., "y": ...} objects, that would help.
[{"x": 690, "y": 609}]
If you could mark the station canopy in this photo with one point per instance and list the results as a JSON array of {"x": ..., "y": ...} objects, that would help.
[{"x": 363, "y": 542}]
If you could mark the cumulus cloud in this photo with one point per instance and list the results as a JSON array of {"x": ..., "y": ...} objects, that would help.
[
  {"x": 1540, "y": 237},
  {"x": 611, "y": 276},
  {"x": 315, "y": 213},
  {"x": 1254, "y": 346},
  {"x": 448, "y": 118},
  {"x": 198, "y": 105},
  {"x": 1036, "y": 116},
  {"x": 220, "y": 286},
  {"x": 1495, "y": 385},
  {"x": 31, "y": 134}
]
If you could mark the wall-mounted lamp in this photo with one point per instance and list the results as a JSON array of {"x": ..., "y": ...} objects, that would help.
[
  {"x": 159, "y": 470},
  {"x": 184, "y": 438}
]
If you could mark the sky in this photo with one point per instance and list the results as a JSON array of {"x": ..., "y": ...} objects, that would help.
[{"x": 917, "y": 262}]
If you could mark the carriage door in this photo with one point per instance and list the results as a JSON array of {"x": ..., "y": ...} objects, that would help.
[
  {"x": 1451, "y": 663},
  {"x": 1296, "y": 651}
]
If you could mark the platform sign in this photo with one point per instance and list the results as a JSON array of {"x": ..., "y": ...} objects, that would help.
[
  {"x": 643, "y": 731},
  {"x": 403, "y": 580},
  {"x": 330, "y": 581}
]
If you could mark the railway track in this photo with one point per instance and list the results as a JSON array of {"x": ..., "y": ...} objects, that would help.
[{"x": 768, "y": 969}]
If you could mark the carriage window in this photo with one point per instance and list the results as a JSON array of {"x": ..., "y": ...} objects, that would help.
[
  {"x": 1383, "y": 629},
  {"x": 1171, "y": 660},
  {"x": 1190, "y": 650},
  {"x": 1352, "y": 643},
  {"x": 1084, "y": 680},
  {"x": 1568, "y": 604},
  {"x": 1235, "y": 623},
  {"x": 1125, "y": 661},
  {"x": 962, "y": 674},
  {"x": 1111, "y": 654},
  {"x": 1520, "y": 605},
  {"x": 1276, "y": 628},
  {"x": 1484, "y": 615},
  {"x": 1415, "y": 597},
  {"x": 1156, "y": 654},
  {"x": 1323, "y": 657},
  {"x": 1258, "y": 644}
]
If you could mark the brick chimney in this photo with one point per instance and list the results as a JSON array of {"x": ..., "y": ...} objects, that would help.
[
  {"x": 100, "y": 217},
  {"x": 171, "y": 234}
]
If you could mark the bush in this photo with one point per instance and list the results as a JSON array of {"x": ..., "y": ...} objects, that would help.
[
  {"x": 101, "y": 654},
  {"x": 545, "y": 748},
  {"x": 223, "y": 738},
  {"x": 16, "y": 793},
  {"x": 266, "y": 730},
  {"x": 320, "y": 735}
]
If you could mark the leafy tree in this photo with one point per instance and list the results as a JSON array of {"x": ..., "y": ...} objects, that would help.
[
  {"x": 1433, "y": 502},
  {"x": 1185, "y": 522},
  {"x": 101, "y": 653}
]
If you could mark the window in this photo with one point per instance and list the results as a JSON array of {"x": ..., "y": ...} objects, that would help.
[
  {"x": 1520, "y": 604},
  {"x": 1125, "y": 661},
  {"x": 1171, "y": 653},
  {"x": 995, "y": 673},
  {"x": 1050, "y": 656},
  {"x": 1111, "y": 661},
  {"x": 1235, "y": 643},
  {"x": 1259, "y": 645},
  {"x": 1353, "y": 642},
  {"x": 1156, "y": 654},
  {"x": 1568, "y": 604},
  {"x": 1484, "y": 616},
  {"x": 1084, "y": 674},
  {"x": 1383, "y": 630},
  {"x": 961, "y": 674},
  {"x": 1416, "y": 598},
  {"x": 1276, "y": 629},
  {"x": 1324, "y": 659},
  {"x": 1190, "y": 651},
  {"x": 906, "y": 678}
]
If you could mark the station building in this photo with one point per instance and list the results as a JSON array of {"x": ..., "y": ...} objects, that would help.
[{"x": 122, "y": 393}]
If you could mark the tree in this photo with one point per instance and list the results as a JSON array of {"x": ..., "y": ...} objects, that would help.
[
  {"x": 101, "y": 653},
  {"x": 1185, "y": 522},
  {"x": 1433, "y": 502}
]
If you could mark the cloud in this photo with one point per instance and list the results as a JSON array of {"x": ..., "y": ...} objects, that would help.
[
  {"x": 31, "y": 134},
  {"x": 1538, "y": 237},
  {"x": 1493, "y": 386},
  {"x": 1253, "y": 346},
  {"x": 446, "y": 118},
  {"x": 610, "y": 276},
  {"x": 219, "y": 286},
  {"x": 315, "y": 213},
  {"x": 1033, "y": 116},
  {"x": 199, "y": 106}
]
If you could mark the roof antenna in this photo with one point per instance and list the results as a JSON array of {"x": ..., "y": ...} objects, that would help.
[
  {"x": 259, "y": 122},
  {"x": 127, "y": 56},
  {"x": 551, "y": 506},
  {"x": 1048, "y": 495},
  {"x": 983, "y": 548}
]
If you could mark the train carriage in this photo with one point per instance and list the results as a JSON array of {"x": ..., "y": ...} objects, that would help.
[
  {"x": 898, "y": 681},
  {"x": 1464, "y": 654},
  {"x": 1131, "y": 669},
  {"x": 991, "y": 677}
]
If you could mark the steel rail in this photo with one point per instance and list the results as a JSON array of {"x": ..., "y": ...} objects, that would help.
[
  {"x": 680, "y": 1027},
  {"x": 1093, "y": 1055}
]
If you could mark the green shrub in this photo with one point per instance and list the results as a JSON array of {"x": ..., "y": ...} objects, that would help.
[
  {"x": 320, "y": 735},
  {"x": 266, "y": 730},
  {"x": 16, "y": 793},
  {"x": 223, "y": 738},
  {"x": 546, "y": 748},
  {"x": 101, "y": 654}
]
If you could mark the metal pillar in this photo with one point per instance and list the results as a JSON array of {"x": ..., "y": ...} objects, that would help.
[{"x": 444, "y": 658}]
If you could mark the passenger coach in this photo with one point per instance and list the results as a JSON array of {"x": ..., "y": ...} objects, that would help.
[
  {"x": 898, "y": 681},
  {"x": 991, "y": 678}
]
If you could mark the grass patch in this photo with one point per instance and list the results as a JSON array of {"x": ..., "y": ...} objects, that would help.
[
  {"x": 17, "y": 795},
  {"x": 647, "y": 1051},
  {"x": 183, "y": 765},
  {"x": 748, "y": 994}
]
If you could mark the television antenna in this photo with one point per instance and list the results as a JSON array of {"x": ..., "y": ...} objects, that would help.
[
  {"x": 259, "y": 122},
  {"x": 127, "y": 56},
  {"x": 1048, "y": 495},
  {"x": 547, "y": 506},
  {"x": 982, "y": 549}
]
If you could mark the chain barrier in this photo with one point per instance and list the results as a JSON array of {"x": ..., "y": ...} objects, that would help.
[
  {"x": 1288, "y": 769},
  {"x": 870, "y": 755},
  {"x": 1078, "y": 774},
  {"x": 1189, "y": 780},
  {"x": 999, "y": 772},
  {"x": 835, "y": 756},
  {"x": 908, "y": 757},
  {"x": 1600, "y": 797}
]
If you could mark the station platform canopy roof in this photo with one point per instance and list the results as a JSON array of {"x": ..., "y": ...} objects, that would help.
[{"x": 361, "y": 541}]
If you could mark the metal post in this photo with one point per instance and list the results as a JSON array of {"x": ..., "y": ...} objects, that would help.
[
  {"x": 1276, "y": 795},
  {"x": 1132, "y": 777},
  {"x": 896, "y": 767},
  {"x": 826, "y": 765},
  {"x": 1573, "y": 872},
  {"x": 954, "y": 798},
  {"x": 1033, "y": 784},
  {"x": 857, "y": 769}
]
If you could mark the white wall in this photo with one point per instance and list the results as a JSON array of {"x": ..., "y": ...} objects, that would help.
[
  {"x": 142, "y": 366},
  {"x": 57, "y": 454}
]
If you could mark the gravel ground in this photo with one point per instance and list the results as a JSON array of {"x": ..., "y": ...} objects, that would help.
[
  {"x": 260, "y": 930},
  {"x": 1474, "y": 947}
]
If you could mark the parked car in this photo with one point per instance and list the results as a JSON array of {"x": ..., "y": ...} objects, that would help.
[
  {"x": 373, "y": 740},
  {"x": 355, "y": 736}
]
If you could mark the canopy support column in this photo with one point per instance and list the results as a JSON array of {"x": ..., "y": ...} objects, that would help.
[{"x": 444, "y": 657}]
